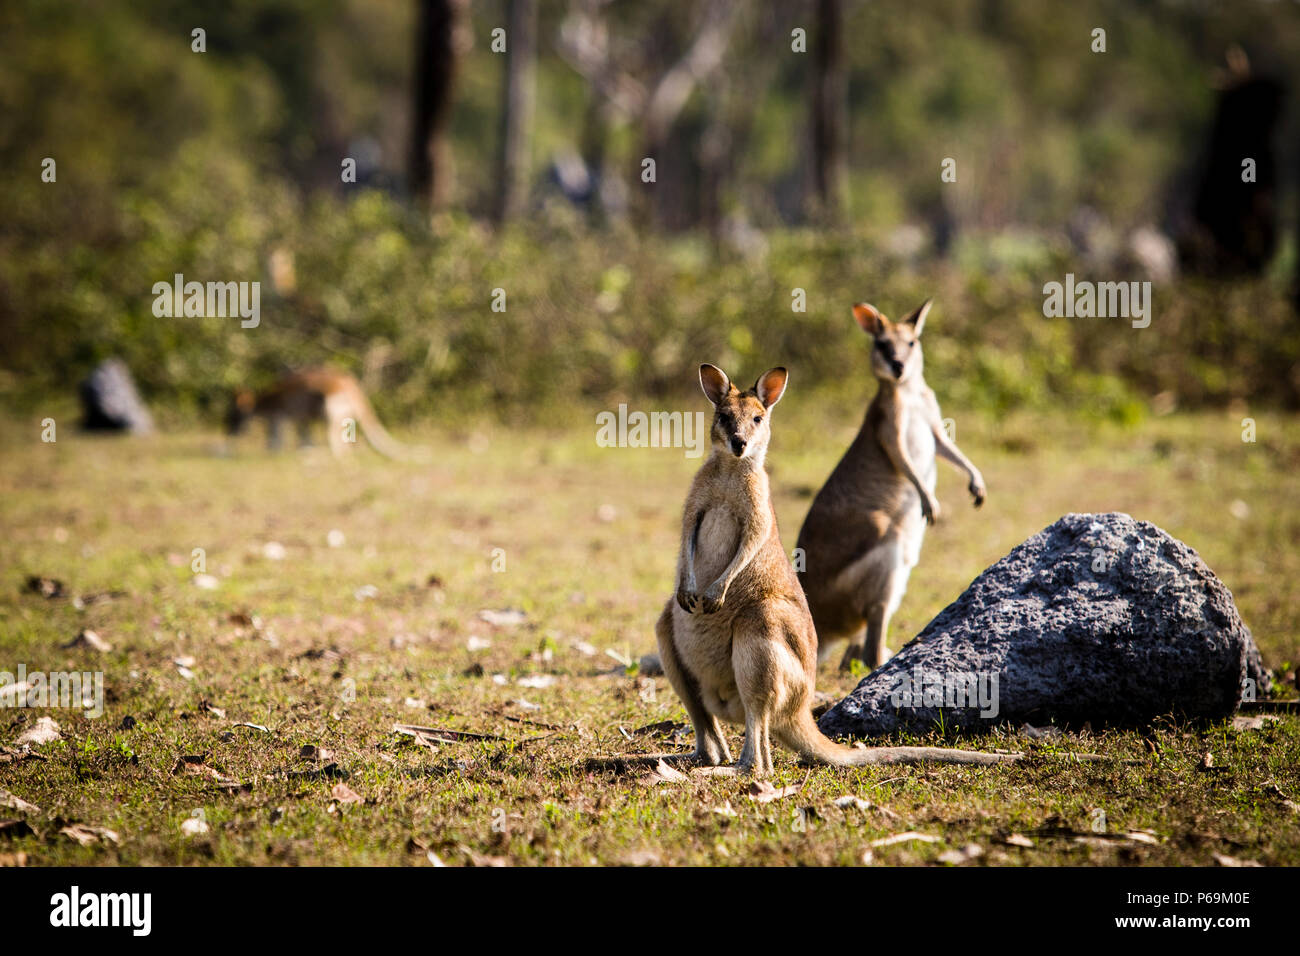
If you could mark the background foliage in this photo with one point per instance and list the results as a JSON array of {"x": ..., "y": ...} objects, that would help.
[{"x": 213, "y": 165}]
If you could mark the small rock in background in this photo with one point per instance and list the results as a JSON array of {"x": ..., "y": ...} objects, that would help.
[
  {"x": 91, "y": 640},
  {"x": 45, "y": 587},
  {"x": 507, "y": 618},
  {"x": 110, "y": 402},
  {"x": 44, "y": 731}
]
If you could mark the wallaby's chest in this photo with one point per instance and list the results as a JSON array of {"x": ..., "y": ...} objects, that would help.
[
  {"x": 716, "y": 542},
  {"x": 908, "y": 416},
  {"x": 918, "y": 439}
]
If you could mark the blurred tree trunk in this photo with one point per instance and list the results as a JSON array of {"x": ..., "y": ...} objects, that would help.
[
  {"x": 436, "y": 49},
  {"x": 829, "y": 93},
  {"x": 652, "y": 107},
  {"x": 517, "y": 111}
]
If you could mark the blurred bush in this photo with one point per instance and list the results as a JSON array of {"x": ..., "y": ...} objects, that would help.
[
  {"x": 588, "y": 318},
  {"x": 224, "y": 167}
]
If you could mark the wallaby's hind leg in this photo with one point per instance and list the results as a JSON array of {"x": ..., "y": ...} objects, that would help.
[
  {"x": 854, "y": 651},
  {"x": 336, "y": 412},
  {"x": 275, "y": 432},
  {"x": 710, "y": 746},
  {"x": 756, "y": 755},
  {"x": 875, "y": 652},
  {"x": 768, "y": 676}
]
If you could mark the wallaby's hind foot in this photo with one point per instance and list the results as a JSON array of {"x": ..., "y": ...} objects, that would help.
[{"x": 756, "y": 755}]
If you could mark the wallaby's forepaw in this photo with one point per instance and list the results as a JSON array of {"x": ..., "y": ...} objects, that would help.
[
  {"x": 688, "y": 600},
  {"x": 930, "y": 509},
  {"x": 978, "y": 491},
  {"x": 711, "y": 600}
]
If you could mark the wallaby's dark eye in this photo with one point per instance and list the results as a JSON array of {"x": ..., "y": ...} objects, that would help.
[{"x": 758, "y": 419}]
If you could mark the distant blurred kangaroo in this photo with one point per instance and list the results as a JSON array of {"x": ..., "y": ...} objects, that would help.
[
  {"x": 862, "y": 536},
  {"x": 736, "y": 638},
  {"x": 308, "y": 396}
]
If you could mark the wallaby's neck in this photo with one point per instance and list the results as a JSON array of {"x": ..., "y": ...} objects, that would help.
[
  {"x": 889, "y": 388},
  {"x": 729, "y": 464}
]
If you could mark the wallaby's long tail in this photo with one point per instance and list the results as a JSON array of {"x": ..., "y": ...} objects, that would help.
[
  {"x": 803, "y": 736},
  {"x": 378, "y": 436}
]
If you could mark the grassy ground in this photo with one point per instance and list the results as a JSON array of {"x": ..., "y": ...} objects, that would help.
[{"x": 328, "y": 647}]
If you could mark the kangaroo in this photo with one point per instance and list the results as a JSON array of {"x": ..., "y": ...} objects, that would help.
[
  {"x": 310, "y": 395},
  {"x": 737, "y": 640},
  {"x": 862, "y": 535}
]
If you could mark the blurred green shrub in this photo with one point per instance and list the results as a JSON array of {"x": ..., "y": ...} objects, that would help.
[{"x": 588, "y": 318}]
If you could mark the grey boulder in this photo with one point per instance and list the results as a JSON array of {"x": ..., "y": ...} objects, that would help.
[
  {"x": 1096, "y": 618},
  {"x": 110, "y": 402}
]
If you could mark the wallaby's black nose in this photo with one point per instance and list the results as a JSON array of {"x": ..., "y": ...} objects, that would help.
[
  {"x": 897, "y": 367},
  {"x": 737, "y": 445}
]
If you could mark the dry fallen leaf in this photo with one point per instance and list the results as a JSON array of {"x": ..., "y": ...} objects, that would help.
[
  {"x": 345, "y": 794},
  {"x": 12, "y": 801},
  {"x": 13, "y": 859},
  {"x": 87, "y": 835},
  {"x": 907, "y": 837},
  {"x": 971, "y": 851},
  {"x": 760, "y": 791},
  {"x": 90, "y": 640},
  {"x": 1018, "y": 839},
  {"x": 438, "y": 735},
  {"x": 194, "y": 826},
  {"x": 44, "y": 731},
  {"x": 1225, "y": 860},
  {"x": 641, "y": 858},
  {"x": 662, "y": 773},
  {"x": 506, "y": 618}
]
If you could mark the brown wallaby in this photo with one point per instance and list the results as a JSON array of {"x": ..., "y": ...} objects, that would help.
[
  {"x": 862, "y": 536},
  {"x": 736, "y": 640},
  {"x": 311, "y": 395}
]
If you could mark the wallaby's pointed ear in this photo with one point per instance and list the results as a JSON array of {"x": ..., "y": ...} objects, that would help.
[
  {"x": 771, "y": 386},
  {"x": 917, "y": 319},
  {"x": 872, "y": 322},
  {"x": 715, "y": 383}
]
